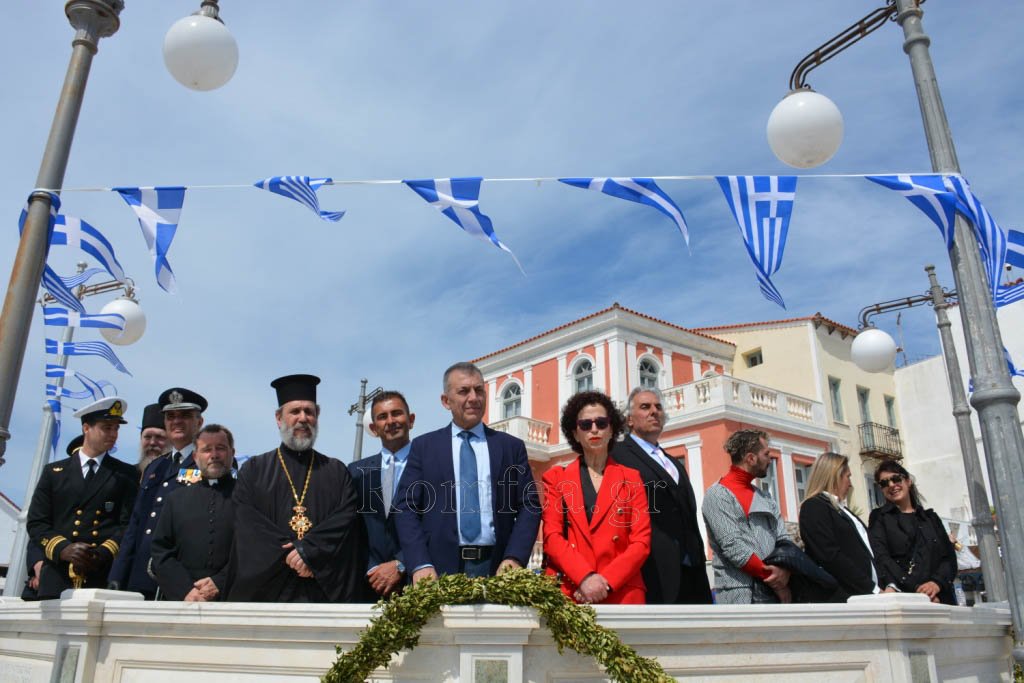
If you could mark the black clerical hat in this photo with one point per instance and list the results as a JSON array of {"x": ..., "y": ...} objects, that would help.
[
  {"x": 179, "y": 398},
  {"x": 153, "y": 416},
  {"x": 295, "y": 388},
  {"x": 74, "y": 445}
]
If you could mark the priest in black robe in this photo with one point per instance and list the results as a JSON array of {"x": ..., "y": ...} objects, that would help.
[{"x": 296, "y": 514}]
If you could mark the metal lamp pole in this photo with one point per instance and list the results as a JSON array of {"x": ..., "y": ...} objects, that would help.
[
  {"x": 92, "y": 20},
  {"x": 984, "y": 527},
  {"x": 359, "y": 409}
]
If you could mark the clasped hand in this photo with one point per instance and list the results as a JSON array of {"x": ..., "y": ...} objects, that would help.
[
  {"x": 295, "y": 561},
  {"x": 595, "y": 588}
]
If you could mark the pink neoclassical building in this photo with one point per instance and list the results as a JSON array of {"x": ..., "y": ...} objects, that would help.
[{"x": 617, "y": 349}]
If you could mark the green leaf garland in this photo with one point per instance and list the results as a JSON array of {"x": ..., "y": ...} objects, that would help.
[{"x": 574, "y": 626}]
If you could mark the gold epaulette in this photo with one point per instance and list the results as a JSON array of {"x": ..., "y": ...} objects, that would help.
[{"x": 50, "y": 545}]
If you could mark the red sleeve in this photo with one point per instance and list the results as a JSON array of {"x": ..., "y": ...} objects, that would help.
[{"x": 756, "y": 568}]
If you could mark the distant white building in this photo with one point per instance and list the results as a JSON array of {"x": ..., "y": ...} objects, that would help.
[
  {"x": 8, "y": 528},
  {"x": 931, "y": 445}
]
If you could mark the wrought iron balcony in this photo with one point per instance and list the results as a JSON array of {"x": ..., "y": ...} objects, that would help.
[{"x": 880, "y": 441}]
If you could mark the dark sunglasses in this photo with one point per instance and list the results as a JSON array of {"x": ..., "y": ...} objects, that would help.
[
  {"x": 894, "y": 479},
  {"x": 586, "y": 424}
]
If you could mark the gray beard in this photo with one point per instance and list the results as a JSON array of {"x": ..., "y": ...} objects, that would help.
[{"x": 298, "y": 443}]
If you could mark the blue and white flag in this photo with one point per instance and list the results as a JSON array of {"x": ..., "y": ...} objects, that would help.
[
  {"x": 74, "y": 232},
  {"x": 928, "y": 193},
  {"x": 54, "y": 370},
  {"x": 80, "y": 278},
  {"x": 762, "y": 206},
  {"x": 1015, "y": 248},
  {"x": 94, "y": 389},
  {"x": 1006, "y": 295},
  {"x": 85, "y": 348},
  {"x": 158, "y": 210},
  {"x": 60, "y": 317},
  {"x": 639, "y": 190},
  {"x": 302, "y": 189},
  {"x": 991, "y": 238},
  {"x": 1014, "y": 372},
  {"x": 55, "y": 286},
  {"x": 54, "y": 391},
  {"x": 459, "y": 200},
  {"x": 55, "y": 409},
  {"x": 54, "y": 210}
]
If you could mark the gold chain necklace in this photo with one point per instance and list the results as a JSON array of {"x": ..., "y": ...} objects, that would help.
[{"x": 299, "y": 522}]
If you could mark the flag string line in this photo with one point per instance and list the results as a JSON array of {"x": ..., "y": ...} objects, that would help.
[{"x": 553, "y": 179}]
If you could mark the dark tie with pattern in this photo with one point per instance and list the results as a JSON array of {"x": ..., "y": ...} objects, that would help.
[{"x": 470, "y": 508}]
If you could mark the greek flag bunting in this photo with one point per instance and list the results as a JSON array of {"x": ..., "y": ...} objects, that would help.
[
  {"x": 639, "y": 190},
  {"x": 81, "y": 278},
  {"x": 930, "y": 194},
  {"x": 1006, "y": 295},
  {"x": 158, "y": 210},
  {"x": 991, "y": 238},
  {"x": 762, "y": 207},
  {"x": 61, "y": 317},
  {"x": 1015, "y": 248},
  {"x": 459, "y": 200},
  {"x": 302, "y": 189},
  {"x": 74, "y": 232},
  {"x": 1014, "y": 372},
  {"x": 94, "y": 389},
  {"x": 85, "y": 348},
  {"x": 56, "y": 287},
  {"x": 52, "y": 390}
]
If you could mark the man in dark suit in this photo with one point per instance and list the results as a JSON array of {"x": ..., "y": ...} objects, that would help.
[
  {"x": 375, "y": 478},
  {"x": 674, "y": 572},
  {"x": 467, "y": 502},
  {"x": 81, "y": 505},
  {"x": 182, "y": 410}
]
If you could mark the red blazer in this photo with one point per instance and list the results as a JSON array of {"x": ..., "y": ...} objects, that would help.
[{"x": 615, "y": 542}]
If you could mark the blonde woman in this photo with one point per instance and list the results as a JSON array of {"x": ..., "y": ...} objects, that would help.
[{"x": 833, "y": 536}]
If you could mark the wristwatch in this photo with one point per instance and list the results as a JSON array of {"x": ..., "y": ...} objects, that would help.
[{"x": 401, "y": 567}]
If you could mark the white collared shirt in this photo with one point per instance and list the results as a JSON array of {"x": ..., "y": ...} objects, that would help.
[
  {"x": 84, "y": 459},
  {"x": 401, "y": 457}
]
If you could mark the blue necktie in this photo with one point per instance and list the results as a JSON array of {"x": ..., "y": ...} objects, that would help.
[
  {"x": 387, "y": 482},
  {"x": 470, "y": 508}
]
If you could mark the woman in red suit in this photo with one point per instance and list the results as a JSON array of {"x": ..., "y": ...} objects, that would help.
[{"x": 597, "y": 531}]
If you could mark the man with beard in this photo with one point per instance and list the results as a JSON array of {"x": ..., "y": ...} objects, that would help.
[
  {"x": 744, "y": 526},
  {"x": 296, "y": 514},
  {"x": 674, "y": 572},
  {"x": 375, "y": 479},
  {"x": 153, "y": 439},
  {"x": 81, "y": 505},
  {"x": 182, "y": 411},
  {"x": 192, "y": 542}
]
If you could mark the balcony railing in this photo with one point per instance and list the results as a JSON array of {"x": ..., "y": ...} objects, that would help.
[
  {"x": 724, "y": 390},
  {"x": 879, "y": 441},
  {"x": 525, "y": 428}
]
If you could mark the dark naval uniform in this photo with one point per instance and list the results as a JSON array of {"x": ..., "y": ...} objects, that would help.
[
  {"x": 66, "y": 509},
  {"x": 193, "y": 538},
  {"x": 130, "y": 570}
]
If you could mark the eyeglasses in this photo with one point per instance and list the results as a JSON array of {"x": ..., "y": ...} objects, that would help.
[
  {"x": 586, "y": 424},
  {"x": 894, "y": 479}
]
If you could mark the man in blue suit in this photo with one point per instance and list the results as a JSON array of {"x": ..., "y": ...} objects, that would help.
[
  {"x": 375, "y": 479},
  {"x": 182, "y": 409},
  {"x": 467, "y": 502}
]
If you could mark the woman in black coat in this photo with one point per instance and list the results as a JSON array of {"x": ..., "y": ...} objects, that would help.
[
  {"x": 833, "y": 536},
  {"x": 912, "y": 548}
]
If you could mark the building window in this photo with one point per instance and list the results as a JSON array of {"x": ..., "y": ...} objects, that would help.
[
  {"x": 753, "y": 358},
  {"x": 801, "y": 473},
  {"x": 875, "y": 497},
  {"x": 583, "y": 376},
  {"x": 837, "y": 402},
  {"x": 511, "y": 401},
  {"x": 648, "y": 374},
  {"x": 890, "y": 411},
  {"x": 863, "y": 395},
  {"x": 769, "y": 484}
]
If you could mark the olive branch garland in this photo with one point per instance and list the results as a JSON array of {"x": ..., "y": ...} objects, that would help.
[{"x": 574, "y": 626}]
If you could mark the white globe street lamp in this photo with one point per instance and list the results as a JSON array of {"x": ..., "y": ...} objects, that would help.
[
  {"x": 873, "y": 350},
  {"x": 805, "y": 129},
  {"x": 200, "y": 52},
  {"x": 134, "y": 321}
]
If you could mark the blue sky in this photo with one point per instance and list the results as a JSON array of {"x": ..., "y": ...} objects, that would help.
[{"x": 395, "y": 292}]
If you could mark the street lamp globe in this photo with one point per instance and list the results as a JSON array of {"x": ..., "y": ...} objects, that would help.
[
  {"x": 805, "y": 129},
  {"x": 873, "y": 350},
  {"x": 200, "y": 52},
  {"x": 134, "y": 321}
]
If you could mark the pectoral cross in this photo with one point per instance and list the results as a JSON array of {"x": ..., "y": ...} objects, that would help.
[{"x": 300, "y": 523}]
